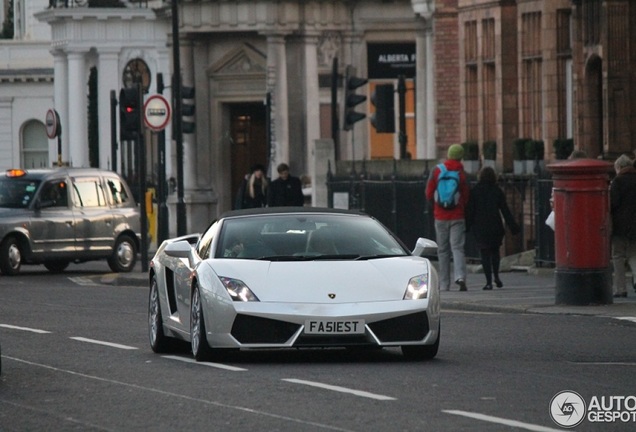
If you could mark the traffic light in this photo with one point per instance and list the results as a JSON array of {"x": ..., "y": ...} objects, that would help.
[
  {"x": 352, "y": 99},
  {"x": 383, "y": 119},
  {"x": 187, "y": 109},
  {"x": 129, "y": 114}
]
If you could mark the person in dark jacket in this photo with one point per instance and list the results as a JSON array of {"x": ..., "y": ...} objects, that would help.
[
  {"x": 622, "y": 209},
  {"x": 253, "y": 190},
  {"x": 286, "y": 190},
  {"x": 486, "y": 206}
]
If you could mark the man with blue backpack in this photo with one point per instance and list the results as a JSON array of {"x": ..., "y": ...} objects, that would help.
[{"x": 448, "y": 188}]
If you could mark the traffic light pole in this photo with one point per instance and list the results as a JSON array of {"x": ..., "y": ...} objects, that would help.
[
  {"x": 113, "y": 130},
  {"x": 402, "y": 103},
  {"x": 335, "y": 117},
  {"x": 162, "y": 228},
  {"x": 141, "y": 153},
  {"x": 178, "y": 132}
]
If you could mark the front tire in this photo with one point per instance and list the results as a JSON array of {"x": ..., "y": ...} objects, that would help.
[
  {"x": 200, "y": 348},
  {"x": 422, "y": 352},
  {"x": 10, "y": 256},
  {"x": 124, "y": 256},
  {"x": 159, "y": 342}
]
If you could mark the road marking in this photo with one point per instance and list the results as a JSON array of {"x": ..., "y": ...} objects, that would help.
[
  {"x": 12, "y": 327},
  {"x": 110, "y": 344},
  {"x": 183, "y": 397},
  {"x": 340, "y": 389},
  {"x": 632, "y": 319},
  {"x": 83, "y": 281},
  {"x": 214, "y": 365},
  {"x": 503, "y": 421},
  {"x": 605, "y": 363}
]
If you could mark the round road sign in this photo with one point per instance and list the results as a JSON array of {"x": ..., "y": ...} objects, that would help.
[
  {"x": 52, "y": 122},
  {"x": 156, "y": 112}
]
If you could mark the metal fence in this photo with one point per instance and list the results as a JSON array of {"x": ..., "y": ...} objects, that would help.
[{"x": 400, "y": 204}]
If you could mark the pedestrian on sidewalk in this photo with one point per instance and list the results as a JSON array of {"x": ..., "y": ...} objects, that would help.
[
  {"x": 622, "y": 210},
  {"x": 253, "y": 190},
  {"x": 450, "y": 225},
  {"x": 286, "y": 190},
  {"x": 486, "y": 207}
]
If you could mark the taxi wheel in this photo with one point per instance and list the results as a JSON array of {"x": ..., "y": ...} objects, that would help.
[
  {"x": 10, "y": 256},
  {"x": 200, "y": 348},
  {"x": 56, "y": 266},
  {"x": 124, "y": 255}
]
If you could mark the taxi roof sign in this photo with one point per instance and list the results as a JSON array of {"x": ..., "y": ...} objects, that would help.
[{"x": 16, "y": 172}]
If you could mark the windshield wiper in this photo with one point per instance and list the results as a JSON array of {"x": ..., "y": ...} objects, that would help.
[
  {"x": 370, "y": 257},
  {"x": 310, "y": 257}
]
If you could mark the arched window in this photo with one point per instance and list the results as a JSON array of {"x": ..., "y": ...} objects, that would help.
[{"x": 35, "y": 145}]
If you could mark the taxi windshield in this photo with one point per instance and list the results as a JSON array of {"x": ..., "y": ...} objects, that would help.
[{"x": 17, "y": 193}]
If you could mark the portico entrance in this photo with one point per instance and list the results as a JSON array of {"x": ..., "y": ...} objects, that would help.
[{"x": 248, "y": 142}]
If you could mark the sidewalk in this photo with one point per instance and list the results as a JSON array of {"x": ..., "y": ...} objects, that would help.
[{"x": 526, "y": 289}]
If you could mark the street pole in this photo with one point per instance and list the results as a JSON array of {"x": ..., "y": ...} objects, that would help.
[
  {"x": 113, "y": 131},
  {"x": 141, "y": 156},
  {"x": 402, "y": 103},
  {"x": 178, "y": 132},
  {"x": 162, "y": 228},
  {"x": 335, "y": 117}
]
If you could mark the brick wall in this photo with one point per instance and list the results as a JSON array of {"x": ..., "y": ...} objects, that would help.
[{"x": 446, "y": 75}]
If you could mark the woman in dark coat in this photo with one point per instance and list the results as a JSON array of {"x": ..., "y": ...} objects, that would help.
[{"x": 486, "y": 206}]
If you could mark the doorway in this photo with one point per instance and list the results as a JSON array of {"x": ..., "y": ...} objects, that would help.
[{"x": 248, "y": 140}]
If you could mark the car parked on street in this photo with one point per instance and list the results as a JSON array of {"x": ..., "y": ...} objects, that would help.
[{"x": 61, "y": 215}]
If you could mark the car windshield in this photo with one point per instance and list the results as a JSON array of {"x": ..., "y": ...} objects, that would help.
[
  {"x": 306, "y": 236},
  {"x": 17, "y": 193}
]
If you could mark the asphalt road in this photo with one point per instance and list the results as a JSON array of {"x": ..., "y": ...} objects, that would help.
[{"x": 75, "y": 356}]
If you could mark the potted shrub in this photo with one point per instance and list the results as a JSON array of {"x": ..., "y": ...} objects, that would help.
[
  {"x": 471, "y": 156},
  {"x": 539, "y": 148},
  {"x": 489, "y": 150},
  {"x": 563, "y": 147},
  {"x": 519, "y": 155}
]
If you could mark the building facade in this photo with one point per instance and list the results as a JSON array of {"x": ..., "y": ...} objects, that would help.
[
  {"x": 548, "y": 71},
  {"x": 262, "y": 71}
]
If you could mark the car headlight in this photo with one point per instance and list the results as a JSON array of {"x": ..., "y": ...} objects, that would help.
[
  {"x": 417, "y": 288},
  {"x": 238, "y": 290}
]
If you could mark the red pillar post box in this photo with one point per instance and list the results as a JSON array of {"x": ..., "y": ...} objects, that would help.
[{"x": 582, "y": 231}]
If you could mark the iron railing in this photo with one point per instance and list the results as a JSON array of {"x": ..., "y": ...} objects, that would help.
[{"x": 399, "y": 202}]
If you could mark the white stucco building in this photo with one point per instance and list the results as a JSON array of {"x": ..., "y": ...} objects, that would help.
[{"x": 261, "y": 71}]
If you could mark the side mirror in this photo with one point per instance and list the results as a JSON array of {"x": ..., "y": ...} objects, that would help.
[
  {"x": 178, "y": 249},
  {"x": 424, "y": 247}
]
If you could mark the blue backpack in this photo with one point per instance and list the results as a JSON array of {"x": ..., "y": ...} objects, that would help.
[{"x": 447, "y": 191}]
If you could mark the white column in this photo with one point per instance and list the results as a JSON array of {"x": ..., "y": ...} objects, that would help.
[
  {"x": 77, "y": 108},
  {"x": 312, "y": 105},
  {"x": 277, "y": 86},
  {"x": 108, "y": 78},
  {"x": 60, "y": 99},
  {"x": 425, "y": 145},
  {"x": 189, "y": 140}
]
